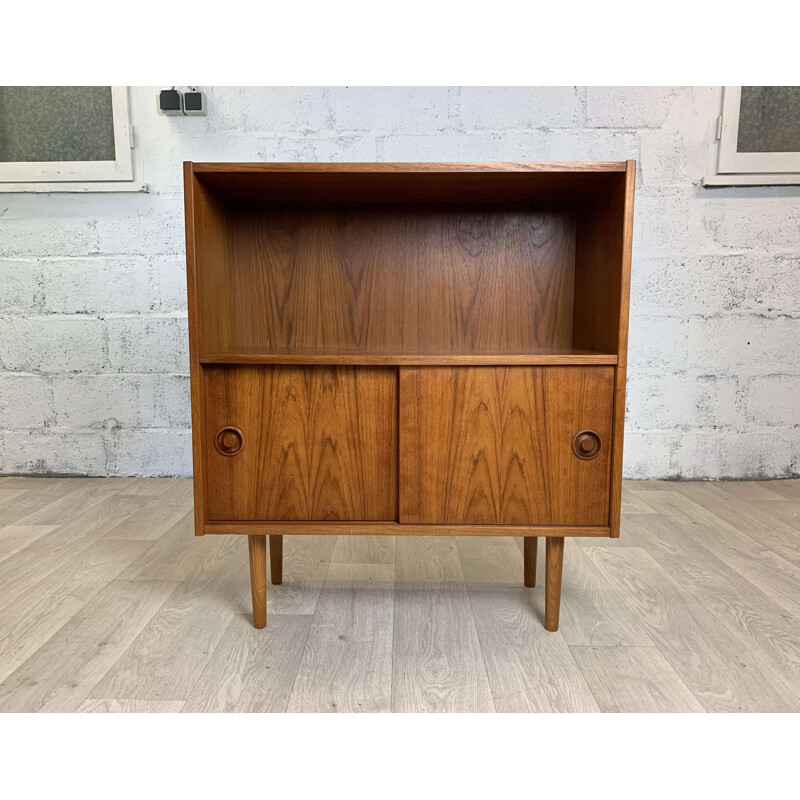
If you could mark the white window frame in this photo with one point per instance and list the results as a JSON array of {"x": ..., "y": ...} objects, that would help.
[
  {"x": 727, "y": 167},
  {"x": 81, "y": 176}
]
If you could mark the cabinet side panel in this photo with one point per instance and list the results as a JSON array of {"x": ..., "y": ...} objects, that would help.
[
  {"x": 493, "y": 445},
  {"x": 213, "y": 255},
  {"x": 195, "y": 368},
  {"x": 621, "y": 375},
  {"x": 599, "y": 260},
  {"x": 318, "y": 443}
]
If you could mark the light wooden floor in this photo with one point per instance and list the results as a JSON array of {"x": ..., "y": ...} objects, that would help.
[{"x": 109, "y": 603}]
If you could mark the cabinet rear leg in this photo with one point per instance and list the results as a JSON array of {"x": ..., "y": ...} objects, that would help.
[
  {"x": 531, "y": 551},
  {"x": 276, "y": 558},
  {"x": 552, "y": 589},
  {"x": 257, "y": 546}
]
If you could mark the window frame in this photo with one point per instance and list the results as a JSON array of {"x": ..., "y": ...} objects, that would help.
[
  {"x": 728, "y": 167},
  {"x": 81, "y": 176}
]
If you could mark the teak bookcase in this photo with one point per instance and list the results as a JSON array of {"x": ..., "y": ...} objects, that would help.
[{"x": 427, "y": 349}]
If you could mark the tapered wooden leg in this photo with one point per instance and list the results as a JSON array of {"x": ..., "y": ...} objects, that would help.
[
  {"x": 552, "y": 588},
  {"x": 276, "y": 558},
  {"x": 257, "y": 545},
  {"x": 531, "y": 553}
]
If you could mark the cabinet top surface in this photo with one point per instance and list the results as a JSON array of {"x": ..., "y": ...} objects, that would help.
[{"x": 410, "y": 167}]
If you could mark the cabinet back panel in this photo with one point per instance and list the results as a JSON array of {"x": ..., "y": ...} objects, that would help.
[{"x": 414, "y": 278}]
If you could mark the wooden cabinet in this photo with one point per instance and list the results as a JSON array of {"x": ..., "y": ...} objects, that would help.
[{"x": 428, "y": 349}]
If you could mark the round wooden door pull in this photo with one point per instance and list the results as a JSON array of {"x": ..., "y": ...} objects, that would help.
[
  {"x": 229, "y": 441},
  {"x": 586, "y": 445}
]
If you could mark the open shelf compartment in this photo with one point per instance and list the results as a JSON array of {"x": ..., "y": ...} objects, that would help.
[{"x": 407, "y": 264}]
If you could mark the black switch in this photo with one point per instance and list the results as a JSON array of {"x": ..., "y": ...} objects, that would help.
[{"x": 170, "y": 102}]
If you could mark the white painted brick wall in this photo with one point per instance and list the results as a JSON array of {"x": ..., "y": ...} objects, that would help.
[{"x": 93, "y": 344}]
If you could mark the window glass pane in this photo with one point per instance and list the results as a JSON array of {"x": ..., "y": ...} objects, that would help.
[
  {"x": 769, "y": 119},
  {"x": 56, "y": 123}
]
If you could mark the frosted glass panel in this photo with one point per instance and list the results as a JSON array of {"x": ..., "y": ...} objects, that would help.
[
  {"x": 56, "y": 123},
  {"x": 769, "y": 119}
]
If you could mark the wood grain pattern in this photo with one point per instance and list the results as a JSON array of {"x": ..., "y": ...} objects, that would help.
[
  {"x": 530, "y": 554},
  {"x": 276, "y": 559},
  {"x": 131, "y": 706},
  {"x": 319, "y": 443},
  {"x": 722, "y": 674},
  {"x": 408, "y": 279},
  {"x": 494, "y": 445},
  {"x": 437, "y": 662},
  {"x": 554, "y": 559},
  {"x": 252, "y": 670},
  {"x": 364, "y": 550},
  {"x": 529, "y": 669},
  {"x": 257, "y": 550},
  {"x": 50, "y": 551},
  {"x": 61, "y": 673},
  {"x": 591, "y": 612},
  {"x": 622, "y": 350},
  {"x": 30, "y": 620},
  {"x": 306, "y": 562},
  {"x": 347, "y": 662},
  {"x": 371, "y": 182},
  {"x": 776, "y": 576},
  {"x": 540, "y": 356},
  {"x": 724, "y": 634},
  {"x": 499, "y": 293},
  {"x": 634, "y": 680},
  {"x": 171, "y": 651},
  {"x": 209, "y": 279},
  {"x": 333, "y": 529},
  {"x": 763, "y": 626}
]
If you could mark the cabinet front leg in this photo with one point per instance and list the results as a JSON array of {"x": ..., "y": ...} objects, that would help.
[
  {"x": 531, "y": 552},
  {"x": 257, "y": 545},
  {"x": 552, "y": 590},
  {"x": 276, "y": 558}
]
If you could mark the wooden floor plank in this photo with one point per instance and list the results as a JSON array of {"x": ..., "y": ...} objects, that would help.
[
  {"x": 437, "y": 661},
  {"x": 768, "y": 531},
  {"x": 252, "y": 669},
  {"x": 696, "y": 605},
  {"x": 179, "y": 555},
  {"x": 39, "y": 494},
  {"x": 717, "y": 668},
  {"x": 131, "y": 707},
  {"x": 172, "y": 650},
  {"x": 786, "y": 490},
  {"x": 14, "y": 538},
  {"x": 30, "y": 620},
  {"x": 305, "y": 564},
  {"x": 762, "y": 625},
  {"x": 364, "y": 550},
  {"x": 156, "y": 487},
  {"x": 50, "y": 551},
  {"x": 775, "y": 576},
  {"x": 634, "y": 680},
  {"x": 83, "y": 494},
  {"x": 60, "y": 675},
  {"x": 9, "y": 498},
  {"x": 529, "y": 669},
  {"x": 592, "y": 613},
  {"x": 156, "y": 517},
  {"x": 347, "y": 661}
]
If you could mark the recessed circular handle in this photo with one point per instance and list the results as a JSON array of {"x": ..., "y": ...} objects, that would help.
[
  {"x": 586, "y": 445},
  {"x": 229, "y": 441}
]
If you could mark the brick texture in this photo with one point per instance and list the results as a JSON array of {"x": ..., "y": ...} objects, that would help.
[{"x": 93, "y": 339}]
